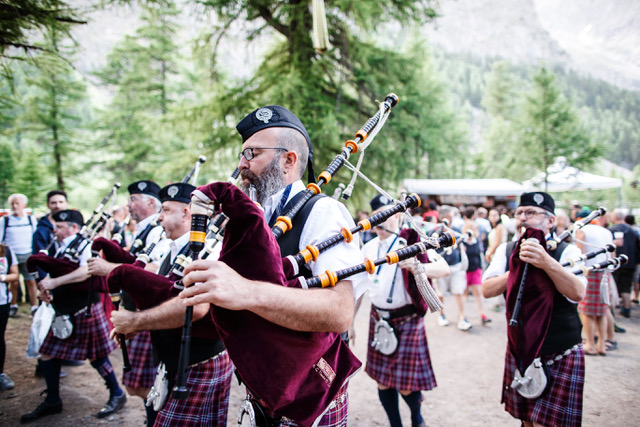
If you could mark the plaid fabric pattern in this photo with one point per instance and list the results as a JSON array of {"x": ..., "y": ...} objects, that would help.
[
  {"x": 89, "y": 339},
  {"x": 560, "y": 404},
  {"x": 409, "y": 368},
  {"x": 209, "y": 384},
  {"x": 592, "y": 304},
  {"x": 143, "y": 372}
]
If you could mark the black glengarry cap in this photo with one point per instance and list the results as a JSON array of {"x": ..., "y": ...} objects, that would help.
[
  {"x": 275, "y": 116},
  {"x": 178, "y": 192}
]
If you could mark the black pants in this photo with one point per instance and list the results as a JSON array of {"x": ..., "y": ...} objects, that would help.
[{"x": 4, "y": 317}]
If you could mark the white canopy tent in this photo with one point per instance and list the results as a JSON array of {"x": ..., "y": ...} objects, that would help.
[
  {"x": 562, "y": 177},
  {"x": 570, "y": 179},
  {"x": 463, "y": 187}
]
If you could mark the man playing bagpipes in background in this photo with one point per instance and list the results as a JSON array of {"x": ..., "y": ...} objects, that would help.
[
  {"x": 544, "y": 365},
  {"x": 276, "y": 150},
  {"x": 89, "y": 334},
  {"x": 209, "y": 377},
  {"x": 144, "y": 207},
  {"x": 398, "y": 308}
]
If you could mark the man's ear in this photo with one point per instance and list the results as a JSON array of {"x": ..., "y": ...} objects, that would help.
[{"x": 290, "y": 161}]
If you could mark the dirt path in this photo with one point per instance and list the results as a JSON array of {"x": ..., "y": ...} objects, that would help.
[{"x": 468, "y": 367}]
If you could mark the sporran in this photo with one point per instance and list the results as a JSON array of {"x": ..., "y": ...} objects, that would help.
[
  {"x": 62, "y": 327},
  {"x": 384, "y": 338},
  {"x": 160, "y": 391},
  {"x": 534, "y": 381}
]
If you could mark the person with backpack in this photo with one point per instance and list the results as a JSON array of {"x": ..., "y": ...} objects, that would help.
[
  {"x": 16, "y": 231},
  {"x": 543, "y": 378}
]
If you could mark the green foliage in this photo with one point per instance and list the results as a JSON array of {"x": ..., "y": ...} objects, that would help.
[
  {"x": 7, "y": 170},
  {"x": 548, "y": 127},
  {"x": 22, "y": 21},
  {"x": 335, "y": 93},
  {"x": 140, "y": 70},
  {"x": 50, "y": 114}
]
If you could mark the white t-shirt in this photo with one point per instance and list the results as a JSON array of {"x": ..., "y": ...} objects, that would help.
[
  {"x": 5, "y": 265},
  {"x": 18, "y": 233}
]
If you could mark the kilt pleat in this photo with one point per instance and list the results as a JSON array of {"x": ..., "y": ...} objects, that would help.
[
  {"x": 592, "y": 304},
  {"x": 560, "y": 404},
  {"x": 409, "y": 368},
  {"x": 89, "y": 339},
  {"x": 209, "y": 385},
  {"x": 143, "y": 371}
]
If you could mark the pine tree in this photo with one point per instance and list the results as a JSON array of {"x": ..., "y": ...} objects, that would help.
[
  {"x": 548, "y": 127},
  {"x": 139, "y": 70},
  {"x": 335, "y": 92},
  {"x": 51, "y": 113}
]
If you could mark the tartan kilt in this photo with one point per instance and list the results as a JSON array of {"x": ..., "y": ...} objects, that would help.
[
  {"x": 209, "y": 384},
  {"x": 409, "y": 368},
  {"x": 560, "y": 404},
  {"x": 592, "y": 304},
  {"x": 89, "y": 339},
  {"x": 143, "y": 371},
  {"x": 336, "y": 414}
]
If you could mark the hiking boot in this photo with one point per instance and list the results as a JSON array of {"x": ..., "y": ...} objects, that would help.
[{"x": 5, "y": 382}]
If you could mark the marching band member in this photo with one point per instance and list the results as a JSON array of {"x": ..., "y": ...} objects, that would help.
[
  {"x": 89, "y": 335},
  {"x": 397, "y": 306},
  {"x": 209, "y": 377},
  {"x": 144, "y": 207},
  {"x": 544, "y": 365},
  {"x": 276, "y": 150}
]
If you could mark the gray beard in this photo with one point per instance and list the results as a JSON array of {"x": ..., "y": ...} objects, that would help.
[{"x": 267, "y": 184}]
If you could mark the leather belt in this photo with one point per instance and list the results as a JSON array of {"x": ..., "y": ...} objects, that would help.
[{"x": 394, "y": 313}]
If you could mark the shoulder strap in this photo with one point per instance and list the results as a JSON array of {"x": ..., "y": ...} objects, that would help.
[{"x": 510, "y": 247}]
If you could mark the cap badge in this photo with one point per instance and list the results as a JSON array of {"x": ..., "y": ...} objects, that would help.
[
  {"x": 538, "y": 198},
  {"x": 172, "y": 191},
  {"x": 384, "y": 200},
  {"x": 142, "y": 186},
  {"x": 63, "y": 216},
  {"x": 264, "y": 115}
]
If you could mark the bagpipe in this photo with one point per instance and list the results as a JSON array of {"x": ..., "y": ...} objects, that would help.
[
  {"x": 113, "y": 252},
  {"x": 551, "y": 244},
  {"x": 67, "y": 260},
  {"x": 304, "y": 373},
  {"x": 90, "y": 229}
]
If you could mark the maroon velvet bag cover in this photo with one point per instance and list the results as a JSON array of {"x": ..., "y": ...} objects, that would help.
[
  {"x": 525, "y": 340},
  {"x": 412, "y": 236},
  {"x": 148, "y": 290},
  {"x": 112, "y": 251},
  {"x": 57, "y": 267},
  {"x": 293, "y": 374}
]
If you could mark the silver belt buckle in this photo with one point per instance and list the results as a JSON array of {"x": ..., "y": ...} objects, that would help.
[{"x": 384, "y": 314}]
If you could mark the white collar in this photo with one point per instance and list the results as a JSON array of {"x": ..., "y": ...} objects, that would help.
[
  {"x": 180, "y": 241},
  {"x": 143, "y": 223}
]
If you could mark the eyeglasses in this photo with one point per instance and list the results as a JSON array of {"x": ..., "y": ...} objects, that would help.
[
  {"x": 528, "y": 213},
  {"x": 249, "y": 154}
]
